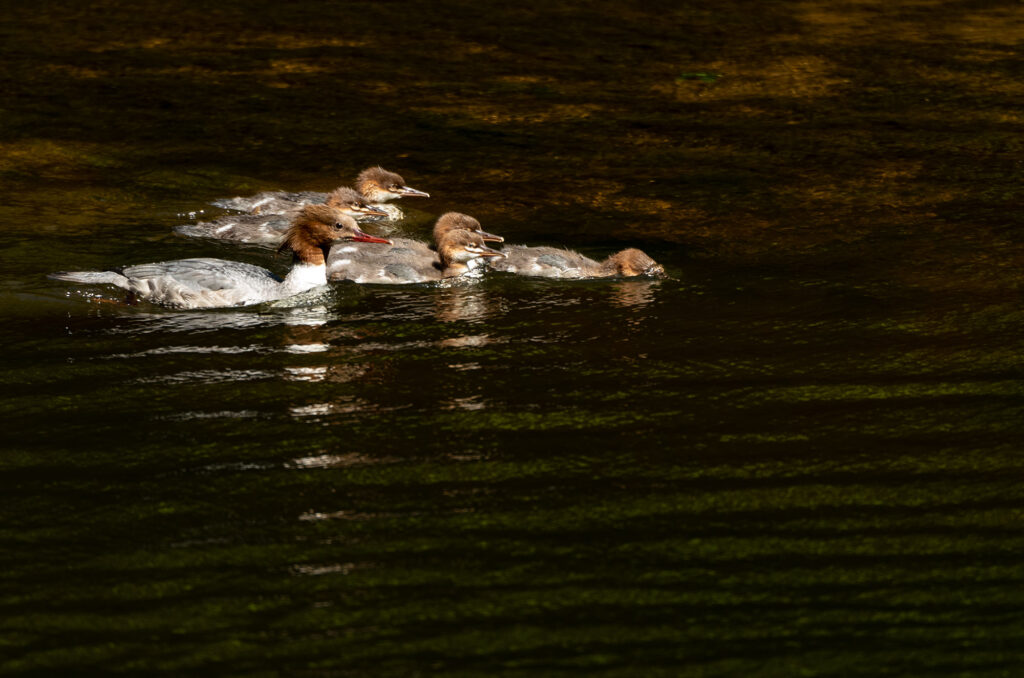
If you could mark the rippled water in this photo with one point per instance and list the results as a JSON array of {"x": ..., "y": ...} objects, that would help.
[{"x": 797, "y": 454}]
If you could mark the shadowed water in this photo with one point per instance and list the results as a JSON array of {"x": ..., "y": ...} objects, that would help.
[{"x": 799, "y": 453}]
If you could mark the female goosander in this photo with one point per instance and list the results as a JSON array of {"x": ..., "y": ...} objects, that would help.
[
  {"x": 268, "y": 229},
  {"x": 213, "y": 283},
  {"x": 377, "y": 185},
  {"x": 552, "y": 262},
  {"x": 460, "y": 250}
]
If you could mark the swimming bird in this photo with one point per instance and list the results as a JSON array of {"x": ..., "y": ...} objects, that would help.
[
  {"x": 461, "y": 249},
  {"x": 268, "y": 229},
  {"x": 214, "y": 283},
  {"x": 376, "y": 185},
  {"x": 409, "y": 247},
  {"x": 379, "y": 186},
  {"x": 552, "y": 262}
]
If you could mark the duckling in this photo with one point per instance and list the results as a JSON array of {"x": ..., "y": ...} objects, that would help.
[
  {"x": 379, "y": 186},
  {"x": 376, "y": 184},
  {"x": 461, "y": 250},
  {"x": 267, "y": 230},
  {"x": 552, "y": 262}
]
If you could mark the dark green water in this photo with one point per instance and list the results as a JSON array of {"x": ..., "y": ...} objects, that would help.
[{"x": 799, "y": 454}]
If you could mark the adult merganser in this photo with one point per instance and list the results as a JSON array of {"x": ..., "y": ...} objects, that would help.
[
  {"x": 460, "y": 250},
  {"x": 552, "y": 262},
  {"x": 268, "y": 229},
  {"x": 376, "y": 184},
  {"x": 213, "y": 283}
]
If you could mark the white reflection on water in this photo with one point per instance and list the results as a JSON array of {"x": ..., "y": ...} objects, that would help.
[
  {"x": 464, "y": 367},
  {"x": 314, "y": 347},
  {"x": 170, "y": 350},
  {"x": 312, "y": 316},
  {"x": 240, "y": 318},
  {"x": 472, "y": 403},
  {"x": 340, "y": 405},
  {"x": 223, "y": 414},
  {"x": 327, "y": 460},
  {"x": 314, "y": 410},
  {"x": 634, "y": 293},
  {"x": 333, "y": 568},
  {"x": 306, "y": 373},
  {"x": 234, "y": 466},
  {"x": 471, "y": 304},
  {"x": 344, "y": 405},
  {"x": 314, "y": 516},
  {"x": 193, "y": 322},
  {"x": 207, "y": 376}
]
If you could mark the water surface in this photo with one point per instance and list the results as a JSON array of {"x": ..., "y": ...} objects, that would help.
[{"x": 797, "y": 454}]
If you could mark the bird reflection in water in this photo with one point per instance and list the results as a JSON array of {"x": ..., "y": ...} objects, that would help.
[
  {"x": 466, "y": 303},
  {"x": 339, "y": 405},
  {"x": 326, "y": 459},
  {"x": 308, "y": 335},
  {"x": 472, "y": 305},
  {"x": 338, "y": 354},
  {"x": 634, "y": 294},
  {"x": 309, "y": 338},
  {"x": 310, "y": 316}
]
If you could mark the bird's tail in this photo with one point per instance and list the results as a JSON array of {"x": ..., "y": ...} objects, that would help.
[
  {"x": 192, "y": 231},
  {"x": 91, "y": 277}
]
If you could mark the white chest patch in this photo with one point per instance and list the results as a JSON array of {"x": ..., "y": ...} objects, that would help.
[{"x": 304, "y": 277}]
